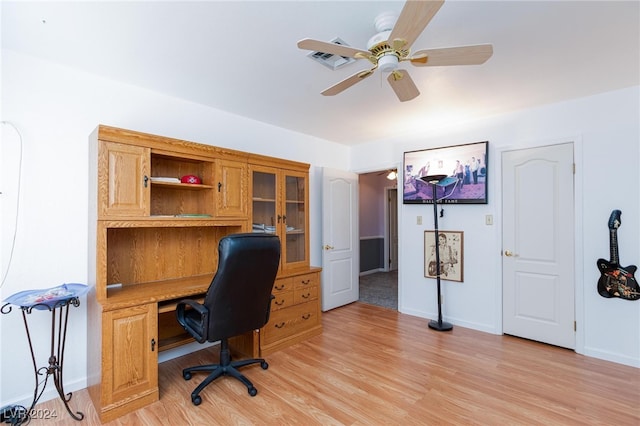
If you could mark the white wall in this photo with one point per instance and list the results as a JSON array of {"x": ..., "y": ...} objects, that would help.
[
  {"x": 55, "y": 110},
  {"x": 606, "y": 132}
]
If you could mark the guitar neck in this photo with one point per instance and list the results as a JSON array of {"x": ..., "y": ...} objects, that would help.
[{"x": 613, "y": 246}]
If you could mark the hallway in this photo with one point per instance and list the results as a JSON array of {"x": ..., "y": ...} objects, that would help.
[{"x": 380, "y": 289}]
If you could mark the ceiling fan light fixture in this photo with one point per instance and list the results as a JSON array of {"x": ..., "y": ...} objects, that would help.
[{"x": 388, "y": 63}]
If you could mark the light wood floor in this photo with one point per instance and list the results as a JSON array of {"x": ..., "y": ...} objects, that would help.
[{"x": 374, "y": 366}]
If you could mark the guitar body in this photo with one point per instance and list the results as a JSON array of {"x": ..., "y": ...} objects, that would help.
[
  {"x": 615, "y": 280},
  {"x": 433, "y": 270}
]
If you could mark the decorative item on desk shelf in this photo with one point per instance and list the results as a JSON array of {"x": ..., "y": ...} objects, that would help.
[
  {"x": 261, "y": 227},
  {"x": 191, "y": 179}
]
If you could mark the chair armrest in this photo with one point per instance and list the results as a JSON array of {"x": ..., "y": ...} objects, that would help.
[
  {"x": 195, "y": 323},
  {"x": 269, "y": 308}
]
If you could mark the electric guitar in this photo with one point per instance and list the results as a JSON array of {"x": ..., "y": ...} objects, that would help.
[{"x": 615, "y": 280}]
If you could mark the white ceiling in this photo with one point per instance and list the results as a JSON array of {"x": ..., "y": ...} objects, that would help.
[{"x": 241, "y": 56}]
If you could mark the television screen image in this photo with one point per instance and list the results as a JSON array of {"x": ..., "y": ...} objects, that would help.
[{"x": 465, "y": 167}]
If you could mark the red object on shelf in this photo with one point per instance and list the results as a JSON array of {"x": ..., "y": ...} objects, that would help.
[{"x": 191, "y": 179}]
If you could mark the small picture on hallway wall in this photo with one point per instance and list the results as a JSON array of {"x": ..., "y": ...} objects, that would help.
[{"x": 450, "y": 253}]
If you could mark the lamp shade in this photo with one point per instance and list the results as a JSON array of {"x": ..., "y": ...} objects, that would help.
[{"x": 433, "y": 178}]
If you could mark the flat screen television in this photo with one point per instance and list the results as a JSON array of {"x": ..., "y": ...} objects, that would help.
[{"x": 464, "y": 167}]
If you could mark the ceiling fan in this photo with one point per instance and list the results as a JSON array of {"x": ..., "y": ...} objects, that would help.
[{"x": 391, "y": 45}]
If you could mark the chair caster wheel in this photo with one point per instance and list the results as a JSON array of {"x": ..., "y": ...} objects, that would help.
[
  {"x": 253, "y": 391},
  {"x": 264, "y": 365},
  {"x": 196, "y": 400},
  {"x": 186, "y": 375}
]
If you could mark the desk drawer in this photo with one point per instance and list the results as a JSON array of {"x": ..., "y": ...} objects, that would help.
[
  {"x": 303, "y": 295},
  {"x": 282, "y": 300},
  {"x": 306, "y": 281},
  {"x": 282, "y": 285},
  {"x": 290, "y": 321}
]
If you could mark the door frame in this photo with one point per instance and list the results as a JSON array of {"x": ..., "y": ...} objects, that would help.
[
  {"x": 387, "y": 228},
  {"x": 578, "y": 247}
]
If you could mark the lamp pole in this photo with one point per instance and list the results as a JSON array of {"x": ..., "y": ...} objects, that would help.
[{"x": 438, "y": 325}]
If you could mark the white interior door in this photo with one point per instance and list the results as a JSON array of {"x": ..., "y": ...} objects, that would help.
[
  {"x": 340, "y": 253},
  {"x": 538, "y": 253}
]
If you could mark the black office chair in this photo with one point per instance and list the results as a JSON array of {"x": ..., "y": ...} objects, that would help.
[{"x": 237, "y": 301}]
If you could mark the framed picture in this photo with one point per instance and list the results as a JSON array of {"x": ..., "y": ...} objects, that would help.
[
  {"x": 465, "y": 167},
  {"x": 451, "y": 255}
]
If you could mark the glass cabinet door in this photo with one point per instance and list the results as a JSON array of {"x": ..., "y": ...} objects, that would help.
[
  {"x": 264, "y": 216},
  {"x": 295, "y": 218},
  {"x": 279, "y": 206}
]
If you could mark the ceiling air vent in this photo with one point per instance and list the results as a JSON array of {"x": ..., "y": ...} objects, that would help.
[{"x": 330, "y": 60}]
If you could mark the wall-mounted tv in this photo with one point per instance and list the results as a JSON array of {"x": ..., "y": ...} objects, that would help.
[{"x": 465, "y": 168}]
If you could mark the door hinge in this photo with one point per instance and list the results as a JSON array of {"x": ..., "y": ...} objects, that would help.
[
  {"x": 574, "y": 168},
  {"x": 575, "y": 326}
]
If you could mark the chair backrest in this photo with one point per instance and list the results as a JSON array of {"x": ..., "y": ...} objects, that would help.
[{"x": 239, "y": 297}]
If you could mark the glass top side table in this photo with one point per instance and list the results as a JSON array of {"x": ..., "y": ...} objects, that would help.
[{"x": 56, "y": 300}]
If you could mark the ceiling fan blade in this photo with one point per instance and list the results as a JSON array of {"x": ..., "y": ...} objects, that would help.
[
  {"x": 336, "y": 49},
  {"x": 413, "y": 19},
  {"x": 461, "y": 55},
  {"x": 347, "y": 82},
  {"x": 403, "y": 85}
]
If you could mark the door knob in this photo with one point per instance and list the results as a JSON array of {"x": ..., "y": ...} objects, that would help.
[
  {"x": 509, "y": 254},
  {"x": 328, "y": 247}
]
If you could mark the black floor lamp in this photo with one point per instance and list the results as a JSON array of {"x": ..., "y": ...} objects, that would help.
[{"x": 434, "y": 180}]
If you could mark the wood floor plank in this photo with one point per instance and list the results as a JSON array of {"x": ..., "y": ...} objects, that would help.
[{"x": 375, "y": 366}]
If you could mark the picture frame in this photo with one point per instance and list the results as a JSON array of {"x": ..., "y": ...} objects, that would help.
[
  {"x": 466, "y": 169},
  {"x": 451, "y": 255}
]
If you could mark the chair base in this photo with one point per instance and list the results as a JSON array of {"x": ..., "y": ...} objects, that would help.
[{"x": 225, "y": 368}]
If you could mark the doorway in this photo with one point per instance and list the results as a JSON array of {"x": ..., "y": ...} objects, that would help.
[{"x": 378, "y": 238}]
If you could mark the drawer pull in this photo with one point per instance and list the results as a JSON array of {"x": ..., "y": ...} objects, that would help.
[
  {"x": 279, "y": 302},
  {"x": 305, "y": 282},
  {"x": 306, "y": 316},
  {"x": 306, "y": 296},
  {"x": 281, "y": 287},
  {"x": 280, "y": 325}
]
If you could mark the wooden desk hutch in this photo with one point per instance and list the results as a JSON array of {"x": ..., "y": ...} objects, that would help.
[{"x": 154, "y": 241}]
